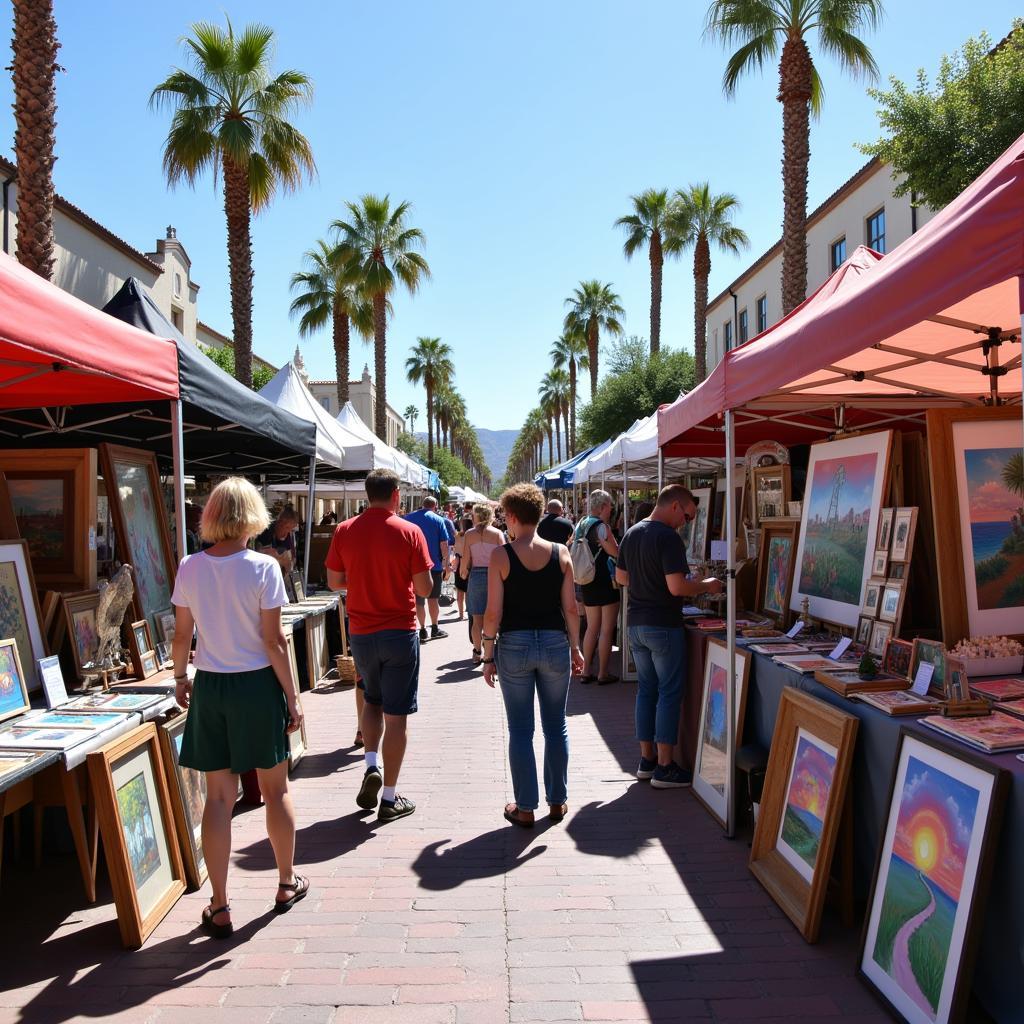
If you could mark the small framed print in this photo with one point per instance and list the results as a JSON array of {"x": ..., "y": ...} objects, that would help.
[
  {"x": 872, "y": 598},
  {"x": 879, "y": 563},
  {"x": 139, "y": 643},
  {"x": 903, "y": 530},
  {"x": 149, "y": 664},
  {"x": 885, "y": 518},
  {"x": 897, "y": 570},
  {"x": 891, "y": 605},
  {"x": 898, "y": 655},
  {"x": 295, "y": 581},
  {"x": 165, "y": 624},
  {"x": 864, "y": 625},
  {"x": 80, "y": 623},
  {"x": 297, "y": 744},
  {"x": 54, "y": 688},
  {"x": 956, "y": 683},
  {"x": 13, "y": 689},
  {"x": 881, "y": 633}
]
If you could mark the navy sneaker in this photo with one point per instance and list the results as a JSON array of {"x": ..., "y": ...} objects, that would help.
[
  {"x": 671, "y": 776},
  {"x": 424, "y": 636},
  {"x": 370, "y": 789},
  {"x": 437, "y": 634},
  {"x": 646, "y": 768}
]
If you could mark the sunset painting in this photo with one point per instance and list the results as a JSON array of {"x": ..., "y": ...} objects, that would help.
[
  {"x": 712, "y": 761},
  {"x": 925, "y": 874},
  {"x": 810, "y": 784}
]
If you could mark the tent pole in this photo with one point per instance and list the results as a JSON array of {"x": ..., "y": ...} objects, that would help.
[
  {"x": 730, "y": 689},
  {"x": 625, "y": 496},
  {"x": 178, "y": 455},
  {"x": 311, "y": 495},
  {"x": 661, "y": 470}
]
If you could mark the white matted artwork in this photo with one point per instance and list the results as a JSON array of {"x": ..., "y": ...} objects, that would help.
[
  {"x": 847, "y": 482},
  {"x": 697, "y": 539}
]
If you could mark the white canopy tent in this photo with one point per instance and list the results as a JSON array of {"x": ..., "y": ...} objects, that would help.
[
  {"x": 379, "y": 454},
  {"x": 465, "y": 494}
]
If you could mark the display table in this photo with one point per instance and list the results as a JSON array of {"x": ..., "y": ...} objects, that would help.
[{"x": 999, "y": 969}]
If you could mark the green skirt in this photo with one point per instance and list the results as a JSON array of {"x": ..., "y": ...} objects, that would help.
[{"x": 236, "y": 721}]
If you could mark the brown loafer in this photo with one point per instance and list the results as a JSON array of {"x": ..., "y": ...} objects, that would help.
[
  {"x": 558, "y": 812},
  {"x": 515, "y": 815}
]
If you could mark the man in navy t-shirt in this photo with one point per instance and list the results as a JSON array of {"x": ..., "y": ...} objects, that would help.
[
  {"x": 440, "y": 535},
  {"x": 652, "y": 564}
]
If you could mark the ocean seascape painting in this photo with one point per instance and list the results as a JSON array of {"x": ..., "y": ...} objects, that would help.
[
  {"x": 139, "y": 830},
  {"x": 810, "y": 785}
]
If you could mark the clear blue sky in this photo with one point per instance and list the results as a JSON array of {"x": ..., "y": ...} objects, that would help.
[{"x": 518, "y": 132}]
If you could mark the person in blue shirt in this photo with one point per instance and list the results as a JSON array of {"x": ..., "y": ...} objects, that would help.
[{"x": 440, "y": 535}]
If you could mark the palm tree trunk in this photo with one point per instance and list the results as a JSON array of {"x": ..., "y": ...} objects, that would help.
[
  {"x": 795, "y": 72},
  {"x": 342, "y": 337},
  {"x": 35, "y": 116},
  {"x": 430, "y": 421},
  {"x": 380, "y": 366},
  {"x": 701, "y": 273},
  {"x": 572, "y": 404},
  {"x": 551, "y": 449},
  {"x": 657, "y": 262},
  {"x": 558, "y": 434},
  {"x": 238, "y": 210},
  {"x": 592, "y": 340}
]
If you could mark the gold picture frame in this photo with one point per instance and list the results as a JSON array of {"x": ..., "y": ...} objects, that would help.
[
  {"x": 775, "y": 562},
  {"x": 770, "y": 492},
  {"x": 187, "y": 789},
  {"x": 140, "y": 643},
  {"x": 80, "y": 627}
]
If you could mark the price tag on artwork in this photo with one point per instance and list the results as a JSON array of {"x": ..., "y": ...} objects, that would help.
[
  {"x": 795, "y": 630},
  {"x": 923, "y": 678},
  {"x": 840, "y": 648}
]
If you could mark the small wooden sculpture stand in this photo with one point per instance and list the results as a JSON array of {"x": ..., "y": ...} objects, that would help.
[{"x": 972, "y": 707}]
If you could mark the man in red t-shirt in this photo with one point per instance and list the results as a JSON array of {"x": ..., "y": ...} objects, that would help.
[{"x": 383, "y": 562}]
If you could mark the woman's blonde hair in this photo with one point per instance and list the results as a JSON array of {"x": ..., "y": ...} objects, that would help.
[
  {"x": 483, "y": 514},
  {"x": 234, "y": 511}
]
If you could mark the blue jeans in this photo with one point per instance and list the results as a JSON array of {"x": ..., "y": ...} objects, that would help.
[
  {"x": 659, "y": 653},
  {"x": 532, "y": 661}
]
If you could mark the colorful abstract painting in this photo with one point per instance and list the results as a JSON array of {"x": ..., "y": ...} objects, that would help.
[
  {"x": 13, "y": 697},
  {"x": 712, "y": 758},
  {"x": 86, "y": 636},
  {"x": 780, "y": 560},
  {"x": 810, "y": 784},
  {"x": 13, "y": 615},
  {"x": 139, "y": 831}
]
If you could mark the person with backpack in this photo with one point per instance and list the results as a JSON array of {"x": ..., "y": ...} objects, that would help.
[{"x": 593, "y": 548}]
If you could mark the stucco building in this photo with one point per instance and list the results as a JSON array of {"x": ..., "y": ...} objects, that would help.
[{"x": 362, "y": 394}]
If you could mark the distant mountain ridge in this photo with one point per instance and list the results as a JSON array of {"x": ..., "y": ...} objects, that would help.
[{"x": 496, "y": 446}]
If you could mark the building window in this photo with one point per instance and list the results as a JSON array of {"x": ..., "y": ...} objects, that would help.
[
  {"x": 762, "y": 314},
  {"x": 727, "y": 334},
  {"x": 837, "y": 252},
  {"x": 743, "y": 326},
  {"x": 876, "y": 231},
  {"x": 177, "y": 285},
  {"x": 326, "y": 402},
  {"x": 178, "y": 319}
]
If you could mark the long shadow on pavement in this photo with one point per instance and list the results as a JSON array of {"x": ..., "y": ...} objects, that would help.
[{"x": 494, "y": 853}]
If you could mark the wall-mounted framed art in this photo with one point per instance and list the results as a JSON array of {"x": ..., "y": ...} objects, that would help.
[
  {"x": 974, "y": 461},
  {"x": 19, "y": 609},
  {"x": 187, "y": 789},
  {"x": 847, "y": 482},
  {"x": 775, "y": 567},
  {"x": 931, "y": 879},
  {"x": 804, "y": 795}
]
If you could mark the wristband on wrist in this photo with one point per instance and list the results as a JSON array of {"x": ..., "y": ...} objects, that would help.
[{"x": 486, "y": 661}]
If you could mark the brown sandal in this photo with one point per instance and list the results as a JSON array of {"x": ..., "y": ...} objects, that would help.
[
  {"x": 298, "y": 890},
  {"x": 558, "y": 811},
  {"x": 218, "y": 931},
  {"x": 515, "y": 815}
]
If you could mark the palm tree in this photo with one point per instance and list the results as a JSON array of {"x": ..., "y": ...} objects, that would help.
[
  {"x": 327, "y": 292},
  {"x": 35, "y": 116},
  {"x": 411, "y": 414},
  {"x": 702, "y": 219},
  {"x": 554, "y": 400},
  {"x": 230, "y": 118},
  {"x": 760, "y": 28},
  {"x": 430, "y": 365},
  {"x": 650, "y": 224},
  {"x": 1013, "y": 473},
  {"x": 571, "y": 350},
  {"x": 593, "y": 306},
  {"x": 384, "y": 248}
]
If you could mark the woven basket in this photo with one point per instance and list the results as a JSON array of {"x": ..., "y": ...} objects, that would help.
[{"x": 345, "y": 663}]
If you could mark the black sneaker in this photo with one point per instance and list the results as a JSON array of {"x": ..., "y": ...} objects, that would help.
[
  {"x": 424, "y": 637},
  {"x": 437, "y": 634},
  {"x": 646, "y": 768},
  {"x": 392, "y": 810},
  {"x": 671, "y": 776},
  {"x": 370, "y": 789}
]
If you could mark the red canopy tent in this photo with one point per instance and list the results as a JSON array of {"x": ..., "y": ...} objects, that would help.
[{"x": 57, "y": 350}]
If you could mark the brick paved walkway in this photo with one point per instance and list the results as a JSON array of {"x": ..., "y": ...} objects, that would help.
[{"x": 634, "y": 909}]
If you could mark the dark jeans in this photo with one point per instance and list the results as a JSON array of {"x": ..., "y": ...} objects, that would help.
[
  {"x": 389, "y": 663},
  {"x": 529, "y": 662},
  {"x": 659, "y": 653}
]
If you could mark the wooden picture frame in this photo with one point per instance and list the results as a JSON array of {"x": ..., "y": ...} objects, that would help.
[
  {"x": 770, "y": 492},
  {"x": 137, "y": 825},
  {"x": 14, "y": 699},
  {"x": 140, "y": 643},
  {"x": 187, "y": 789},
  {"x": 940, "y": 834},
  {"x": 775, "y": 561},
  {"x": 935, "y": 654},
  {"x": 697, "y": 531},
  {"x": 973, "y": 585},
  {"x": 80, "y": 628},
  {"x": 317, "y": 654},
  {"x": 297, "y": 743},
  {"x": 872, "y": 598},
  {"x": 864, "y": 625},
  {"x": 297, "y": 585},
  {"x": 879, "y": 563},
  {"x": 289, "y": 588},
  {"x": 890, "y": 608},
  {"x": 19, "y": 608},
  {"x": 795, "y": 835},
  {"x": 165, "y": 625},
  {"x": 710, "y": 768},
  {"x": 904, "y": 529},
  {"x": 140, "y": 519},
  {"x": 881, "y": 634},
  {"x": 898, "y": 658},
  {"x": 846, "y": 481},
  {"x": 52, "y": 496},
  {"x": 885, "y": 518}
]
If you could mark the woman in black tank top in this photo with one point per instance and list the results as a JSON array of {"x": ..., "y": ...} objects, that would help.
[{"x": 531, "y": 609}]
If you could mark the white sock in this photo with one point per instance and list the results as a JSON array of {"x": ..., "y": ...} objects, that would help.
[
  {"x": 371, "y": 758},
  {"x": 388, "y": 794}
]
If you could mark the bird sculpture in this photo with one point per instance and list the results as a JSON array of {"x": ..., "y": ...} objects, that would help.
[{"x": 115, "y": 596}]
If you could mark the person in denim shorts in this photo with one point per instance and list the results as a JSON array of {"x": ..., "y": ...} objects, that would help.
[{"x": 531, "y": 607}]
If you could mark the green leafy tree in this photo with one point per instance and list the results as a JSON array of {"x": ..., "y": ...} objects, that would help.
[
  {"x": 760, "y": 29},
  {"x": 702, "y": 219},
  {"x": 940, "y": 138},
  {"x": 452, "y": 470},
  {"x": 430, "y": 364},
  {"x": 225, "y": 359},
  {"x": 651, "y": 225},
  {"x": 571, "y": 351},
  {"x": 384, "y": 248},
  {"x": 593, "y": 307},
  {"x": 231, "y": 118},
  {"x": 329, "y": 292}
]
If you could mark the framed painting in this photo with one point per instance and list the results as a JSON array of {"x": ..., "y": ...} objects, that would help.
[
  {"x": 81, "y": 630},
  {"x": 804, "y": 796},
  {"x": 53, "y": 500},
  {"x": 289, "y": 588},
  {"x": 770, "y": 492},
  {"x": 710, "y": 768},
  {"x": 297, "y": 745},
  {"x": 316, "y": 648},
  {"x": 872, "y": 598},
  {"x": 295, "y": 577},
  {"x": 897, "y": 658},
  {"x": 140, "y": 643},
  {"x": 891, "y": 607},
  {"x": 165, "y": 625},
  {"x": 52, "y": 679},
  {"x": 934, "y": 653},
  {"x": 19, "y": 610},
  {"x": 903, "y": 529},
  {"x": 13, "y": 691},
  {"x": 150, "y": 664},
  {"x": 881, "y": 634},
  {"x": 978, "y": 507},
  {"x": 897, "y": 570},
  {"x": 847, "y": 481},
  {"x": 931, "y": 878},
  {"x": 697, "y": 538},
  {"x": 775, "y": 568},
  {"x": 879, "y": 562},
  {"x": 187, "y": 789},
  {"x": 141, "y": 526},
  {"x": 864, "y": 624},
  {"x": 137, "y": 825},
  {"x": 885, "y": 529}
]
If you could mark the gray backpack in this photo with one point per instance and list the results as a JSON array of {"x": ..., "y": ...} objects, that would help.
[{"x": 584, "y": 567}]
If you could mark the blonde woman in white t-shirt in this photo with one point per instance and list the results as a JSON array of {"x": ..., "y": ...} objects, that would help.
[{"x": 244, "y": 697}]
